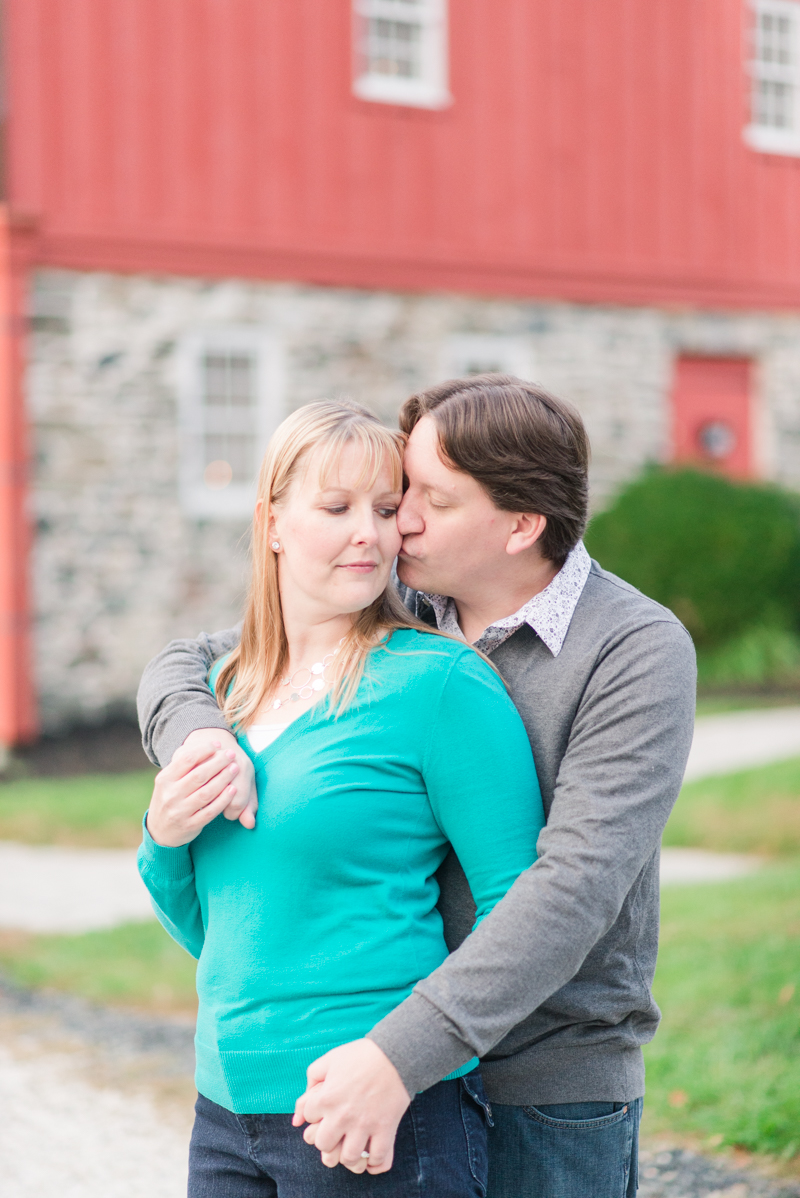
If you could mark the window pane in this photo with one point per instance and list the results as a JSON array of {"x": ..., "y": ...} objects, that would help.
[
  {"x": 241, "y": 374},
  {"x": 228, "y": 379},
  {"x": 393, "y": 48},
  {"x": 215, "y": 369},
  {"x": 229, "y": 401},
  {"x": 775, "y": 39},
  {"x": 776, "y": 71},
  {"x": 774, "y": 104}
]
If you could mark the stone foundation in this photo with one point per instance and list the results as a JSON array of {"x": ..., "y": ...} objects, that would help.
[{"x": 119, "y": 566}]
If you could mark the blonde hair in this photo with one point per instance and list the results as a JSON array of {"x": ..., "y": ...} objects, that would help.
[{"x": 260, "y": 658}]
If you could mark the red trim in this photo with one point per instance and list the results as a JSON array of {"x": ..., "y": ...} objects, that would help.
[
  {"x": 18, "y": 722},
  {"x": 347, "y": 269}
]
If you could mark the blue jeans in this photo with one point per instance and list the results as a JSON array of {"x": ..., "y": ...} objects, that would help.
[
  {"x": 440, "y": 1152},
  {"x": 573, "y": 1150}
]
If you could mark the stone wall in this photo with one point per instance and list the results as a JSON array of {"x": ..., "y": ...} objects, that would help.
[{"x": 120, "y": 568}]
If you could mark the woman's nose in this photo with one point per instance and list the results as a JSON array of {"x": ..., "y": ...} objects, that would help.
[{"x": 367, "y": 531}]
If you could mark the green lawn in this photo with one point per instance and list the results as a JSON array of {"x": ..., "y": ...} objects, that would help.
[
  {"x": 725, "y": 1064},
  {"x": 135, "y": 965},
  {"x": 755, "y": 811},
  {"x": 98, "y": 810}
]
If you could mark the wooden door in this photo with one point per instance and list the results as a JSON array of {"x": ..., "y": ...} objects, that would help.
[{"x": 711, "y": 416}]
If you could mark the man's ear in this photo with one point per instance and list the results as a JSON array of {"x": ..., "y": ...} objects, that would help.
[{"x": 527, "y": 529}]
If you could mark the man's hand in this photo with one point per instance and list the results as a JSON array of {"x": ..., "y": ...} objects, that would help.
[
  {"x": 354, "y": 1103},
  {"x": 243, "y": 800}
]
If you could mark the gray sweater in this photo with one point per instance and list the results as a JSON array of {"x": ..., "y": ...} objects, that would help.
[{"x": 553, "y": 990}]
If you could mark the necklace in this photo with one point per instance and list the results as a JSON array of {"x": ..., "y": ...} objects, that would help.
[{"x": 314, "y": 681}]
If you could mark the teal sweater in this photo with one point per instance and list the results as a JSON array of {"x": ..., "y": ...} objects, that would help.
[{"x": 312, "y": 927}]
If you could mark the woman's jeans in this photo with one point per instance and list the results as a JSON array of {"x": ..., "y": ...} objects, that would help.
[
  {"x": 573, "y": 1150},
  {"x": 440, "y": 1152}
]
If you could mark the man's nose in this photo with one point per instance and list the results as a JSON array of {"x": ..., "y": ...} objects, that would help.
[{"x": 409, "y": 519}]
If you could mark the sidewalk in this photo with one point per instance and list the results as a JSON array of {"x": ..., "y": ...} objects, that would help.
[
  {"x": 740, "y": 740},
  {"x": 44, "y": 888}
]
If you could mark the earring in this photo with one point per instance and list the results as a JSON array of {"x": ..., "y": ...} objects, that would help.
[{"x": 276, "y": 545}]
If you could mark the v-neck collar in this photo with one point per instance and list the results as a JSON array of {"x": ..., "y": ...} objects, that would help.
[{"x": 259, "y": 757}]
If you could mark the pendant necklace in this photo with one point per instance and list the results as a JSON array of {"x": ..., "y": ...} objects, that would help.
[{"x": 314, "y": 679}]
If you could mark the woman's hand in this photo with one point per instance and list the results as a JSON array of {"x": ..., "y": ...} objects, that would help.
[{"x": 196, "y": 787}]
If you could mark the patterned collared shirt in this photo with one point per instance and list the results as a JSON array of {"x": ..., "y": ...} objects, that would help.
[{"x": 549, "y": 613}]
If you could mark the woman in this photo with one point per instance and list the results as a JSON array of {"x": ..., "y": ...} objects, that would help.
[{"x": 377, "y": 744}]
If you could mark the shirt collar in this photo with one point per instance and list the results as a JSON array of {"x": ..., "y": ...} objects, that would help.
[{"x": 549, "y": 613}]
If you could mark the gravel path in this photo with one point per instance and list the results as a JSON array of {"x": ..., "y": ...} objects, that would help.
[
  {"x": 60, "y": 1135},
  {"x": 96, "y": 1103},
  {"x": 678, "y": 1174},
  {"x": 93, "y": 1103}
]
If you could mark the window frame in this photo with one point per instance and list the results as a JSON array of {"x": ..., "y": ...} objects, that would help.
[
  {"x": 235, "y": 501},
  {"x": 513, "y": 351},
  {"x": 766, "y": 138},
  {"x": 429, "y": 91}
]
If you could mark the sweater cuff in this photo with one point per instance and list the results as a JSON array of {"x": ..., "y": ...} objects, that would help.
[
  {"x": 164, "y": 863},
  {"x": 188, "y": 718},
  {"x": 420, "y": 1043}
]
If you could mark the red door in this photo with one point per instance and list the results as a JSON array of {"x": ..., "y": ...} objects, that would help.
[{"x": 711, "y": 420}]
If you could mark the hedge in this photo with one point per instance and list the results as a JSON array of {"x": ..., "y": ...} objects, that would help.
[{"x": 723, "y": 555}]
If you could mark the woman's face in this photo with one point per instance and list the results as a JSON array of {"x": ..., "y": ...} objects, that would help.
[{"x": 337, "y": 543}]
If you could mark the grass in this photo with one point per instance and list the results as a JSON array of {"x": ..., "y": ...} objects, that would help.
[
  {"x": 136, "y": 965},
  {"x": 96, "y": 810},
  {"x": 755, "y": 811},
  {"x": 725, "y": 1064}
]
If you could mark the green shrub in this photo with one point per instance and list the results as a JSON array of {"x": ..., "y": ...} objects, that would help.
[
  {"x": 724, "y": 556},
  {"x": 760, "y": 658}
]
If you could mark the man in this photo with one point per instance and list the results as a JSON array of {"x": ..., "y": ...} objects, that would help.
[{"x": 552, "y": 991}]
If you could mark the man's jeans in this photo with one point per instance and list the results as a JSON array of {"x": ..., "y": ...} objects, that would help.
[
  {"x": 573, "y": 1150},
  {"x": 440, "y": 1152}
]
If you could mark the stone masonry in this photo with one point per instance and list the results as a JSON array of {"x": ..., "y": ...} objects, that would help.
[{"x": 120, "y": 567}]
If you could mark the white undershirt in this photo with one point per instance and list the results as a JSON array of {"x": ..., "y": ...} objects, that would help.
[{"x": 261, "y": 735}]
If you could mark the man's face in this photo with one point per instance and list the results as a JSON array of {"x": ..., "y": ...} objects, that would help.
[{"x": 454, "y": 538}]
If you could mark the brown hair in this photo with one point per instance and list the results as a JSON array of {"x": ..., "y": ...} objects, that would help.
[
  {"x": 258, "y": 661},
  {"x": 528, "y": 450}
]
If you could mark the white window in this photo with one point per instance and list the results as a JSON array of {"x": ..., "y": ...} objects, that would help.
[
  {"x": 487, "y": 353},
  {"x": 775, "y": 77},
  {"x": 401, "y": 51},
  {"x": 231, "y": 399}
]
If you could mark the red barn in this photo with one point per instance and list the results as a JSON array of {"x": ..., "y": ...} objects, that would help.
[{"x": 216, "y": 210}]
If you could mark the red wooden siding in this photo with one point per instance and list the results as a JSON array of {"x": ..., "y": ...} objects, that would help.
[
  {"x": 592, "y": 151},
  {"x": 711, "y": 407}
]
